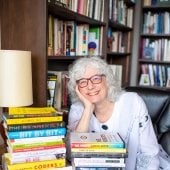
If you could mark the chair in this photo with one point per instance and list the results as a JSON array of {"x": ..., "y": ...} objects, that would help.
[{"x": 158, "y": 104}]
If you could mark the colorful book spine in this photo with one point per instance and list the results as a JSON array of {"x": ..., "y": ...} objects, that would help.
[
  {"x": 32, "y": 120},
  {"x": 39, "y": 152},
  {"x": 12, "y": 160},
  {"x": 48, "y": 125},
  {"x": 30, "y": 110},
  {"x": 43, "y": 165},
  {"x": 33, "y": 145},
  {"x": 35, "y": 148},
  {"x": 36, "y": 133},
  {"x": 97, "y": 145},
  {"x": 107, "y": 150},
  {"x": 36, "y": 139}
]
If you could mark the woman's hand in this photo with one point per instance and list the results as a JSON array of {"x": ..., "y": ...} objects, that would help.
[{"x": 85, "y": 101}]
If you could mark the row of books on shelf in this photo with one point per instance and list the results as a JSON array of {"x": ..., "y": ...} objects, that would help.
[
  {"x": 97, "y": 150},
  {"x": 156, "y": 23},
  {"x": 155, "y": 75},
  {"x": 155, "y": 49},
  {"x": 119, "y": 12},
  {"x": 90, "y": 8},
  {"x": 57, "y": 89},
  {"x": 37, "y": 141},
  {"x": 70, "y": 39},
  {"x": 118, "y": 41},
  {"x": 155, "y": 2}
]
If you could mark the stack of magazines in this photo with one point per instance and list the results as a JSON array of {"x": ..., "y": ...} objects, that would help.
[{"x": 97, "y": 151}]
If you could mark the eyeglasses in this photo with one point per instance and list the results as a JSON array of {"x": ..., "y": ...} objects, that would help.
[{"x": 96, "y": 79}]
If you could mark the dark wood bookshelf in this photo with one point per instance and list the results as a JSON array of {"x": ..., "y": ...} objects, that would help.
[{"x": 24, "y": 26}]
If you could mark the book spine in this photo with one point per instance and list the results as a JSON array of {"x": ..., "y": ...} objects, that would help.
[
  {"x": 37, "y": 148},
  {"x": 30, "y": 110},
  {"x": 98, "y": 160},
  {"x": 33, "y": 120},
  {"x": 24, "y": 159},
  {"x": 34, "y": 126},
  {"x": 113, "y": 150},
  {"x": 43, "y": 165},
  {"x": 36, "y": 139},
  {"x": 38, "y": 152},
  {"x": 36, "y": 133},
  {"x": 33, "y": 145},
  {"x": 97, "y": 155},
  {"x": 97, "y": 145}
]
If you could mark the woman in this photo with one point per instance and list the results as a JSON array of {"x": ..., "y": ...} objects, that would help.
[{"x": 99, "y": 105}]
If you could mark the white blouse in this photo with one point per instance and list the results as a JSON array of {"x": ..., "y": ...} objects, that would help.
[{"x": 131, "y": 120}]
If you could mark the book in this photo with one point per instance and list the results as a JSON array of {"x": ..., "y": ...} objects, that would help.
[
  {"x": 36, "y": 133},
  {"x": 10, "y": 150},
  {"x": 15, "y": 160},
  {"x": 33, "y": 153},
  {"x": 30, "y": 110},
  {"x": 102, "y": 162},
  {"x": 96, "y": 168},
  {"x": 23, "y": 127},
  {"x": 43, "y": 165},
  {"x": 31, "y": 120},
  {"x": 98, "y": 155},
  {"x": 36, "y": 139},
  {"x": 13, "y": 147},
  {"x": 107, "y": 150},
  {"x": 93, "y": 41},
  {"x": 96, "y": 140}
]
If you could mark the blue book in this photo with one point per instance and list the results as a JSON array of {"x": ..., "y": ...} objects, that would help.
[{"x": 37, "y": 133}]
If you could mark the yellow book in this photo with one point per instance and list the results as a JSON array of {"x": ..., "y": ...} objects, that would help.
[
  {"x": 30, "y": 110},
  {"x": 33, "y": 120},
  {"x": 41, "y": 165}
]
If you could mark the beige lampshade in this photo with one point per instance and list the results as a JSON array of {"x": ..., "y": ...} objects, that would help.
[{"x": 15, "y": 78}]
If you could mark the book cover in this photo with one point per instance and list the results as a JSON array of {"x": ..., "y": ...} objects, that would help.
[
  {"x": 43, "y": 165},
  {"x": 96, "y": 140},
  {"x": 93, "y": 41},
  {"x": 36, "y": 133}
]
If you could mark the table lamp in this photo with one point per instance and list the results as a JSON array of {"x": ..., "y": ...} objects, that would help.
[{"x": 15, "y": 79}]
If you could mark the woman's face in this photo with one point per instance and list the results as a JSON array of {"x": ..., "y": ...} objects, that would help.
[{"x": 96, "y": 89}]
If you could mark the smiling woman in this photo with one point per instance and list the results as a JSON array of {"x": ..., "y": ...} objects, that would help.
[{"x": 99, "y": 105}]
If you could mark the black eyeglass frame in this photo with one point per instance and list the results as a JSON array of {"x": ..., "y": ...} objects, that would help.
[{"x": 90, "y": 79}]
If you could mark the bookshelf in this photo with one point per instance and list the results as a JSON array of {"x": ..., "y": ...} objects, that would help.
[
  {"x": 154, "y": 60},
  {"x": 120, "y": 33},
  {"x": 25, "y": 27}
]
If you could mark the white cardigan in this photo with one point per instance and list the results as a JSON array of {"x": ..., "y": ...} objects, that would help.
[{"x": 131, "y": 120}]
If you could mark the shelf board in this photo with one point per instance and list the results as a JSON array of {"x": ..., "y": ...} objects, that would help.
[
  {"x": 117, "y": 54},
  {"x": 155, "y": 35},
  {"x": 153, "y": 62},
  {"x": 118, "y": 26},
  {"x": 66, "y": 14},
  {"x": 156, "y": 8}
]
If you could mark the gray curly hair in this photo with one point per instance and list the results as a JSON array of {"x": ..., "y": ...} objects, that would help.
[{"x": 78, "y": 68}]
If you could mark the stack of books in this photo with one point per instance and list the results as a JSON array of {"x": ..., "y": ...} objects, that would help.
[
  {"x": 35, "y": 138},
  {"x": 97, "y": 151}
]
